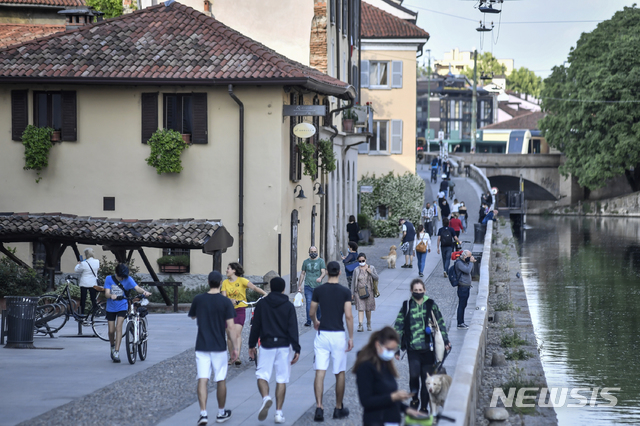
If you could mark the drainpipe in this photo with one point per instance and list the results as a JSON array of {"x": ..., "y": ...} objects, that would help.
[{"x": 240, "y": 177}]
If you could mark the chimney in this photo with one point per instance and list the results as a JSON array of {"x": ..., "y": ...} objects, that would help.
[{"x": 80, "y": 17}]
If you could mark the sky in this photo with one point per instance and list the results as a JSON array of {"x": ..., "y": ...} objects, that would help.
[{"x": 536, "y": 46}]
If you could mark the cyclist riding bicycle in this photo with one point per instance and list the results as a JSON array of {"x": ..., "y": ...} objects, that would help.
[{"x": 115, "y": 288}]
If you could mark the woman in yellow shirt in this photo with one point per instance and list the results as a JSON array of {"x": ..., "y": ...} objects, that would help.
[{"x": 235, "y": 288}]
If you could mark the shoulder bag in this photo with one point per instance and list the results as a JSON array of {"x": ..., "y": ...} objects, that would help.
[
  {"x": 99, "y": 281},
  {"x": 438, "y": 340},
  {"x": 421, "y": 247},
  {"x": 363, "y": 292}
]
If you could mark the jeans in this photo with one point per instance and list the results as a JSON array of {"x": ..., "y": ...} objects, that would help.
[
  {"x": 421, "y": 258},
  {"x": 464, "y": 223},
  {"x": 93, "y": 294},
  {"x": 428, "y": 226},
  {"x": 420, "y": 363},
  {"x": 446, "y": 257},
  {"x": 463, "y": 297},
  {"x": 308, "y": 295}
]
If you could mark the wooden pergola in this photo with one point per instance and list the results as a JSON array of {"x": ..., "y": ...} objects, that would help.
[{"x": 123, "y": 237}]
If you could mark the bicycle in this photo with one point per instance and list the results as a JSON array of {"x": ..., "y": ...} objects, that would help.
[
  {"x": 252, "y": 306},
  {"x": 54, "y": 310},
  {"x": 136, "y": 334}
]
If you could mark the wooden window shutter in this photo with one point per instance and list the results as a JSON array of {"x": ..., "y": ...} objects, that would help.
[
  {"x": 396, "y": 74},
  {"x": 200, "y": 119},
  {"x": 396, "y": 136},
  {"x": 19, "y": 113},
  {"x": 293, "y": 149},
  {"x": 364, "y": 74},
  {"x": 69, "y": 116},
  {"x": 149, "y": 115}
]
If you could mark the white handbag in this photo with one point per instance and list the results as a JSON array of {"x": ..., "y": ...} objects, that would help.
[
  {"x": 298, "y": 300},
  {"x": 437, "y": 339}
]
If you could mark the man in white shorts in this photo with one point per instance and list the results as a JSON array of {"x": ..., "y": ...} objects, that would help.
[
  {"x": 276, "y": 325},
  {"x": 335, "y": 301},
  {"x": 213, "y": 312}
]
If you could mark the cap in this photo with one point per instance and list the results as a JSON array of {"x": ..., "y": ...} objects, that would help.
[
  {"x": 333, "y": 268},
  {"x": 215, "y": 277},
  {"x": 277, "y": 284}
]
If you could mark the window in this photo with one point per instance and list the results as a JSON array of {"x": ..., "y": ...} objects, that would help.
[
  {"x": 378, "y": 74},
  {"x": 332, "y": 11},
  {"x": 345, "y": 17},
  {"x": 56, "y": 110},
  {"x": 177, "y": 252},
  {"x": 108, "y": 203},
  {"x": 185, "y": 113},
  {"x": 382, "y": 212},
  {"x": 378, "y": 142},
  {"x": 338, "y": 15},
  {"x": 39, "y": 257}
]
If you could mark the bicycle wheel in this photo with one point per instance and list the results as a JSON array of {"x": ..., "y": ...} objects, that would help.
[
  {"x": 99, "y": 322},
  {"x": 142, "y": 346},
  {"x": 52, "y": 312},
  {"x": 130, "y": 339}
]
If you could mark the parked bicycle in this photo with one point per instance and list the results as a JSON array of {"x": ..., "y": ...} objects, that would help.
[
  {"x": 54, "y": 310},
  {"x": 136, "y": 333}
]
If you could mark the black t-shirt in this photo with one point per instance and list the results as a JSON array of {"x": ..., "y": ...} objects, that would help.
[
  {"x": 212, "y": 311},
  {"x": 331, "y": 298}
]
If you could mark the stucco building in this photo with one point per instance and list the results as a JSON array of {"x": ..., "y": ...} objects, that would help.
[{"x": 108, "y": 86}]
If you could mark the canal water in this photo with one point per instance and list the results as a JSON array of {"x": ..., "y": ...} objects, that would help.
[{"x": 582, "y": 278}]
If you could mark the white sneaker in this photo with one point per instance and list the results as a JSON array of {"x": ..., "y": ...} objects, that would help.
[
  {"x": 278, "y": 418},
  {"x": 264, "y": 410}
]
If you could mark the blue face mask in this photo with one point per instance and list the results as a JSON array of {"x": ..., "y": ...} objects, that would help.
[{"x": 387, "y": 355}]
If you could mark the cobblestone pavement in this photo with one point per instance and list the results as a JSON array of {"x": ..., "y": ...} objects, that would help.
[{"x": 157, "y": 389}]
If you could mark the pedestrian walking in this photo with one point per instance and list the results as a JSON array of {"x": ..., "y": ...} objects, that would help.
[
  {"x": 88, "y": 270},
  {"x": 444, "y": 185},
  {"x": 376, "y": 379},
  {"x": 115, "y": 290},
  {"x": 235, "y": 288},
  {"x": 463, "y": 267},
  {"x": 436, "y": 217},
  {"x": 445, "y": 209},
  {"x": 423, "y": 246},
  {"x": 350, "y": 262},
  {"x": 276, "y": 325},
  {"x": 329, "y": 345},
  {"x": 408, "y": 238},
  {"x": 363, "y": 277},
  {"x": 446, "y": 237},
  {"x": 455, "y": 206},
  {"x": 353, "y": 229},
  {"x": 482, "y": 213},
  {"x": 455, "y": 223},
  {"x": 311, "y": 275},
  {"x": 213, "y": 313},
  {"x": 464, "y": 216},
  {"x": 413, "y": 326},
  {"x": 429, "y": 214}
]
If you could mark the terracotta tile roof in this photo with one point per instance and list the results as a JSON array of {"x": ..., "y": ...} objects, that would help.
[
  {"x": 161, "y": 45},
  {"x": 527, "y": 121},
  {"x": 376, "y": 23},
  {"x": 18, "y": 33},
  {"x": 183, "y": 233},
  {"x": 61, "y": 3}
]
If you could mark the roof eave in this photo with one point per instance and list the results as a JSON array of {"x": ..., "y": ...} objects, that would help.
[{"x": 310, "y": 83}]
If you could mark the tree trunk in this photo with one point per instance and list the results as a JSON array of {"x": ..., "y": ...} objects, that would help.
[{"x": 633, "y": 177}]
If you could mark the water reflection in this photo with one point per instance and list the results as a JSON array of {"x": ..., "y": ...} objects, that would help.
[{"x": 581, "y": 277}]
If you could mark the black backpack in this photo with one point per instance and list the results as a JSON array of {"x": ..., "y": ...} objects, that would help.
[{"x": 446, "y": 239}]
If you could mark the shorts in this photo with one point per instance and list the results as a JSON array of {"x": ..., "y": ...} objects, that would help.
[
  {"x": 240, "y": 317},
  {"x": 205, "y": 361},
  {"x": 330, "y": 345},
  {"x": 111, "y": 316},
  {"x": 409, "y": 251},
  {"x": 278, "y": 358}
]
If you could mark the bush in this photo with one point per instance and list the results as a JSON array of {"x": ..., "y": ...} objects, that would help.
[
  {"x": 517, "y": 355},
  {"x": 364, "y": 221},
  {"x": 166, "y": 148},
  {"x": 403, "y": 196},
  {"x": 108, "y": 267},
  {"x": 17, "y": 281},
  {"x": 182, "y": 260},
  {"x": 518, "y": 381},
  {"x": 512, "y": 340},
  {"x": 185, "y": 295}
]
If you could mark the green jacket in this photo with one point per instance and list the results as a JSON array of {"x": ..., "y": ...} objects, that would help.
[{"x": 411, "y": 324}]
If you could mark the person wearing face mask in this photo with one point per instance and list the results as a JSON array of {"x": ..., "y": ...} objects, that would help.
[
  {"x": 376, "y": 378},
  {"x": 363, "y": 277},
  {"x": 464, "y": 267},
  {"x": 313, "y": 271},
  {"x": 412, "y": 325}
]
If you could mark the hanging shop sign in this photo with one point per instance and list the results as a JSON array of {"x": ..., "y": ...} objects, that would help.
[
  {"x": 303, "y": 110},
  {"x": 304, "y": 130}
]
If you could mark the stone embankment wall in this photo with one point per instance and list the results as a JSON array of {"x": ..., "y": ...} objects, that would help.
[
  {"x": 511, "y": 358},
  {"x": 623, "y": 206}
]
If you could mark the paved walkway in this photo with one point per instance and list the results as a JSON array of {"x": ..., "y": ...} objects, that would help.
[{"x": 36, "y": 384}]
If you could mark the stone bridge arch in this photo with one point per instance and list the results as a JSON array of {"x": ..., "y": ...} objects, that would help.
[{"x": 532, "y": 191}]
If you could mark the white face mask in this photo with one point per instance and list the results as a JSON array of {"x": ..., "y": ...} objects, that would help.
[
  {"x": 387, "y": 355},
  {"x": 362, "y": 263}
]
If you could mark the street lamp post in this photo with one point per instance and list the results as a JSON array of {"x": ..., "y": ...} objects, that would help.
[
  {"x": 474, "y": 102},
  {"x": 428, "y": 135}
]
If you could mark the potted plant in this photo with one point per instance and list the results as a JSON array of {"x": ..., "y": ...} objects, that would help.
[
  {"x": 326, "y": 156},
  {"x": 349, "y": 116},
  {"x": 174, "y": 264},
  {"x": 37, "y": 144},
  {"x": 166, "y": 147},
  {"x": 186, "y": 137},
  {"x": 56, "y": 136}
]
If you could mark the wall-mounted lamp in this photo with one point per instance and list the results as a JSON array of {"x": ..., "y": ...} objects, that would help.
[
  {"x": 320, "y": 192},
  {"x": 300, "y": 194}
]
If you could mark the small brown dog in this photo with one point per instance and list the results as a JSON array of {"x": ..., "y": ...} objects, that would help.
[{"x": 391, "y": 258}]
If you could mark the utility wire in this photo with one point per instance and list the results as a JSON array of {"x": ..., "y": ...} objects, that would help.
[{"x": 595, "y": 101}]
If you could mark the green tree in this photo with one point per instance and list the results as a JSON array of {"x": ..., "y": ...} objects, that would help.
[
  {"x": 111, "y": 8},
  {"x": 593, "y": 111},
  {"x": 487, "y": 64},
  {"x": 422, "y": 70},
  {"x": 523, "y": 80}
]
